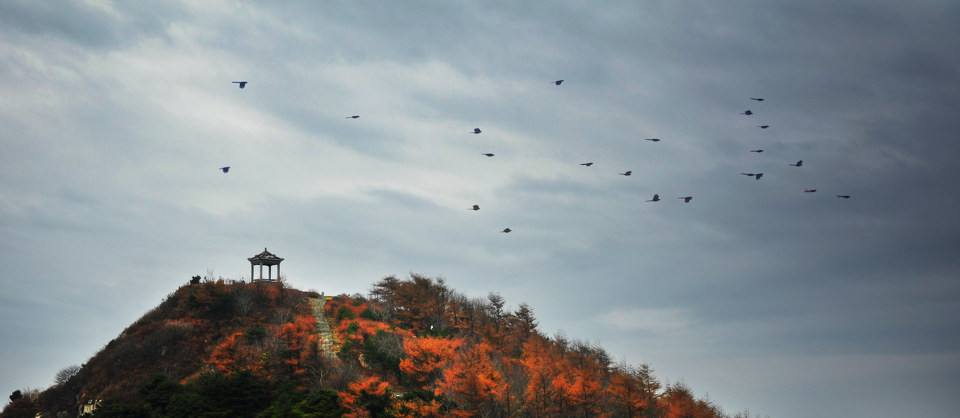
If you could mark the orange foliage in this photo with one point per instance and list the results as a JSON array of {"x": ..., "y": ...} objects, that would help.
[
  {"x": 332, "y": 307},
  {"x": 425, "y": 356},
  {"x": 418, "y": 408},
  {"x": 224, "y": 354},
  {"x": 353, "y": 399},
  {"x": 301, "y": 339},
  {"x": 540, "y": 364},
  {"x": 578, "y": 388},
  {"x": 625, "y": 394},
  {"x": 473, "y": 381},
  {"x": 363, "y": 329},
  {"x": 678, "y": 402}
]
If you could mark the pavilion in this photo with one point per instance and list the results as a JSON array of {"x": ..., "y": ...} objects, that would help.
[{"x": 265, "y": 259}]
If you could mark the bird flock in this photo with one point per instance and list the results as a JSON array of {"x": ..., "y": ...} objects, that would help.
[{"x": 656, "y": 196}]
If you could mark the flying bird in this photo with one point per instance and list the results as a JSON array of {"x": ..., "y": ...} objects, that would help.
[
  {"x": 799, "y": 163},
  {"x": 626, "y": 173},
  {"x": 754, "y": 175},
  {"x": 507, "y": 230},
  {"x": 843, "y": 196},
  {"x": 763, "y": 126},
  {"x": 488, "y": 154},
  {"x": 756, "y": 150},
  {"x": 758, "y": 99},
  {"x": 225, "y": 170},
  {"x": 241, "y": 83},
  {"x": 558, "y": 82},
  {"x": 476, "y": 130},
  {"x": 587, "y": 164},
  {"x": 353, "y": 117},
  {"x": 809, "y": 190},
  {"x": 652, "y": 139},
  {"x": 686, "y": 199},
  {"x": 747, "y": 112},
  {"x": 475, "y": 207},
  {"x": 656, "y": 198}
]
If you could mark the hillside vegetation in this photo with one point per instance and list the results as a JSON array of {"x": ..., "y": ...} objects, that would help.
[{"x": 411, "y": 348}]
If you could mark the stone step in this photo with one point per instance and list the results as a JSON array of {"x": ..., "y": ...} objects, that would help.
[{"x": 329, "y": 345}]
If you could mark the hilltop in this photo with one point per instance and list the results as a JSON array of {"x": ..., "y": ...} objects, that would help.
[{"x": 410, "y": 348}]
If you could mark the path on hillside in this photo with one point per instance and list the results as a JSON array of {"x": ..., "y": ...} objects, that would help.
[{"x": 328, "y": 340}]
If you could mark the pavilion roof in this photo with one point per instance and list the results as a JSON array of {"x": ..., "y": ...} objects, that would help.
[{"x": 265, "y": 258}]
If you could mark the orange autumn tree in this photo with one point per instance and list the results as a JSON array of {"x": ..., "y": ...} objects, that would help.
[
  {"x": 473, "y": 382},
  {"x": 224, "y": 355},
  {"x": 418, "y": 408},
  {"x": 632, "y": 391},
  {"x": 540, "y": 363},
  {"x": 300, "y": 337},
  {"x": 677, "y": 401},
  {"x": 426, "y": 356},
  {"x": 367, "y": 397},
  {"x": 577, "y": 388},
  {"x": 357, "y": 330}
]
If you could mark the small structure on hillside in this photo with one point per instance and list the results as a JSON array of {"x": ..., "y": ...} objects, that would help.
[{"x": 265, "y": 259}]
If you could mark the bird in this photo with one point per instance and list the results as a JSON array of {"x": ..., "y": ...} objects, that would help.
[
  {"x": 656, "y": 198},
  {"x": 476, "y": 130},
  {"x": 488, "y": 154},
  {"x": 587, "y": 164},
  {"x": 353, "y": 117},
  {"x": 507, "y": 230},
  {"x": 763, "y": 126},
  {"x": 799, "y": 163},
  {"x": 809, "y": 190},
  {"x": 225, "y": 170},
  {"x": 843, "y": 196},
  {"x": 747, "y": 112},
  {"x": 241, "y": 83},
  {"x": 754, "y": 175},
  {"x": 757, "y": 99},
  {"x": 686, "y": 199},
  {"x": 475, "y": 207},
  {"x": 626, "y": 173},
  {"x": 756, "y": 150},
  {"x": 652, "y": 139},
  {"x": 558, "y": 82}
]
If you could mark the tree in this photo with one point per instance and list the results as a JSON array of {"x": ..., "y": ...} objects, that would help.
[
  {"x": 65, "y": 374},
  {"x": 368, "y": 397},
  {"x": 632, "y": 391},
  {"x": 473, "y": 381},
  {"x": 426, "y": 357},
  {"x": 526, "y": 321},
  {"x": 540, "y": 364}
]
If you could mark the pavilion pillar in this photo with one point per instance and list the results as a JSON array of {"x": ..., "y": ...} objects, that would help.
[
  {"x": 278, "y": 272},
  {"x": 269, "y": 272},
  {"x": 261, "y": 272},
  {"x": 251, "y": 272}
]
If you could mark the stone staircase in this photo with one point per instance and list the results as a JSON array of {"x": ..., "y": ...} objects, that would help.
[{"x": 329, "y": 345}]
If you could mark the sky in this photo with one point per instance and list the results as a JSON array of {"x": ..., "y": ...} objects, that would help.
[{"x": 117, "y": 116}]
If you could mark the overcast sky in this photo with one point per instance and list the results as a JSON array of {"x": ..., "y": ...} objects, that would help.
[{"x": 115, "y": 118}]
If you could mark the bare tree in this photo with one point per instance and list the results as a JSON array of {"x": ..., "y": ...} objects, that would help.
[
  {"x": 243, "y": 300},
  {"x": 65, "y": 374}
]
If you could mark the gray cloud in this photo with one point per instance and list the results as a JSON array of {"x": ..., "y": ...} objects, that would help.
[{"x": 117, "y": 116}]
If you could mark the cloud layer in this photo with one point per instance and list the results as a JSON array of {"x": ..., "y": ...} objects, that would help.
[{"x": 116, "y": 117}]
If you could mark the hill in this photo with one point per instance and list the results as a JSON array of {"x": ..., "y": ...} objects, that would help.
[{"x": 411, "y": 348}]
